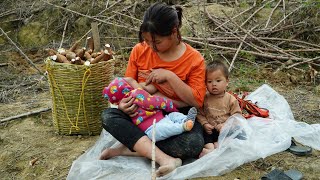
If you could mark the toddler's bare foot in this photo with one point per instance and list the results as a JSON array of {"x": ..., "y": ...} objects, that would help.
[
  {"x": 169, "y": 167},
  {"x": 216, "y": 145},
  {"x": 205, "y": 151},
  {"x": 188, "y": 125}
]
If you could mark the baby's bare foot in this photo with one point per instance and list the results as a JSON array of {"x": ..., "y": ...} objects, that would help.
[{"x": 169, "y": 167}]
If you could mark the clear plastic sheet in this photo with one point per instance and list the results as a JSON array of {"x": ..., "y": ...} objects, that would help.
[{"x": 240, "y": 141}]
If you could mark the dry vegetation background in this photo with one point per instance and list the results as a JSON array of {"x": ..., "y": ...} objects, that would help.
[{"x": 275, "y": 42}]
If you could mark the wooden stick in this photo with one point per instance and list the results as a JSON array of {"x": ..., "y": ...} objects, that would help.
[
  {"x": 233, "y": 17},
  {"x": 21, "y": 52},
  {"x": 64, "y": 32},
  {"x": 236, "y": 54},
  {"x": 24, "y": 115},
  {"x": 259, "y": 40},
  {"x": 286, "y": 17},
  {"x": 95, "y": 36},
  {"x": 233, "y": 40},
  {"x": 224, "y": 28},
  {"x": 90, "y": 17},
  {"x": 271, "y": 13},
  {"x": 153, "y": 153},
  {"x": 265, "y": 55},
  {"x": 306, "y": 61},
  {"x": 4, "y": 64},
  {"x": 284, "y": 10},
  {"x": 254, "y": 13}
]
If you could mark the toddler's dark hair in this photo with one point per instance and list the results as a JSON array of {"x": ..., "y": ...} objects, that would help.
[
  {"x": 160, "y": 19},
  {"x": 217, "y": 65}
]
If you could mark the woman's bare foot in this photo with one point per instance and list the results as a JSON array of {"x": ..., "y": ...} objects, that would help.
[
  {"x": 168, "y": 167},
  {"x": 109, "y": 153},
  {"x": 119, "y": 151}
]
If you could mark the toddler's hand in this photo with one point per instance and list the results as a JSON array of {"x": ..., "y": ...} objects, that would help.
[
  {"x": 219, "y": 127},
  {"x": 208, "y": 128}
]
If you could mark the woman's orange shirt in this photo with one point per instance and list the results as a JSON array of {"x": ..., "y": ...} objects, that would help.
[{"x": 190, "y": 68}]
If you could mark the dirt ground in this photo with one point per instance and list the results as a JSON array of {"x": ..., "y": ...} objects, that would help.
[{"x": 25, "y": 139}]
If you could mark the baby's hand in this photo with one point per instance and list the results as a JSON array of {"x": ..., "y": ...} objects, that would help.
[{"x": 208, "y": 128}]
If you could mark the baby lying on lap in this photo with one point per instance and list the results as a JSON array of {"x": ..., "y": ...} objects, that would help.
[{"x": 150, "y": 107}]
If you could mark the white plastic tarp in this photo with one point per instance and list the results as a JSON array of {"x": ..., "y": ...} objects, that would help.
[{"x": 240, "y": 141}]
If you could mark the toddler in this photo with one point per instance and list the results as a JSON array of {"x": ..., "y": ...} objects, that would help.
[{"x": 218, "y": 104}]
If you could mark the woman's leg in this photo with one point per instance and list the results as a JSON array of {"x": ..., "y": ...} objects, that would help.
[
  {"x": 119, "y": 125},
  {"x": 186, "y": 145}
]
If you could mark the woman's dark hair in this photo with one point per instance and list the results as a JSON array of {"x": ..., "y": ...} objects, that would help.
[
  {"x": 217, "y": 65},
  {"x": 160, "y": 19}
]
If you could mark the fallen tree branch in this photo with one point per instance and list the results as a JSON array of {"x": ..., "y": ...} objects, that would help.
[
  {"x": 234, "y": 17},
  {"x": 259, "y": 40},
  {"x": 306, "y": 61},
  {"x": 265, "y": 55},
  {"x": 286, "y": 17},
  {"x": 4, "y": 64},
  {"x": 271, "y": 13},
  {"x": 21, "y": 52},
  {"x": 254, "y": 13},
  {"x": 90, "y": 17},
  {"x": 24, "y": 115}
]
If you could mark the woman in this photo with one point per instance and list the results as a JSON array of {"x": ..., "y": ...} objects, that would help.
[{"x": 178, "y": 72}]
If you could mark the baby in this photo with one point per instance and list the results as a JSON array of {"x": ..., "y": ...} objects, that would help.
[{"x": 150, "y": 108}]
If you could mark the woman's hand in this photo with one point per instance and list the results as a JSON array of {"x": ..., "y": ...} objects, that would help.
[
  {"x": 158, "y": 76},
  {"x": 208, "y": 128},
  {"x": 126, "y": 105}
]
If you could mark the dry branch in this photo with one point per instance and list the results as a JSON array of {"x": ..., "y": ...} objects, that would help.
[
  {"x": 90, "y": 17},
  {"x": 282, "y": 20},
  {"x": 254, "y": 13},
  {"x": 21, "y": 52},
  {"x": 64, "y": 32},
  {"x": 271, "y": 13},
  {"x": 234, "y": 17},
  {"x": 24, "y": 115}
]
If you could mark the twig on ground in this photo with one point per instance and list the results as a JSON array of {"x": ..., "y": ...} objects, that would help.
[
  {"x": 24, "y": 115},
  {"x": 254, "y": 13},
  {"x": 234, "y": 17},
  {"x": 236, "y": 54},
  {"x": 303, "y": 62},
  {"x": 4, "y": 64},
  {"x": 271, "y": 13},
  {"x": 90, "y": 17},
  {"x": 286, "y": 17}
]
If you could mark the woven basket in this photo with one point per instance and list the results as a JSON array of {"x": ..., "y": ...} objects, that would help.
[{"x": 77, "y": 101}]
